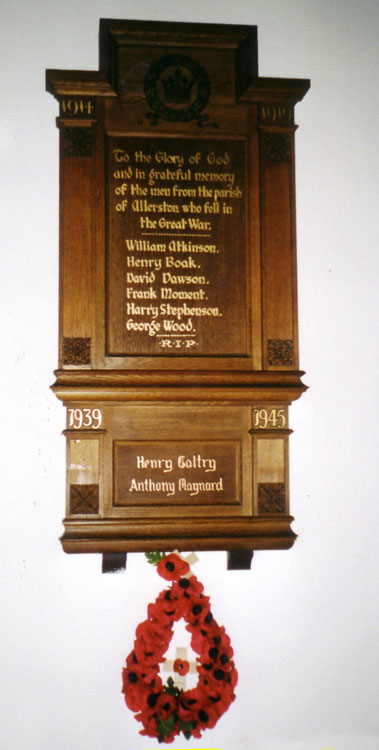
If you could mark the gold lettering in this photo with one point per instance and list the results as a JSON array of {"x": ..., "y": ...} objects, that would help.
[{"x": 266, "y": 419}]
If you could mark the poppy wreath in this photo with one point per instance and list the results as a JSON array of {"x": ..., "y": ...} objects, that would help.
[{"x": 165, "y": 710}]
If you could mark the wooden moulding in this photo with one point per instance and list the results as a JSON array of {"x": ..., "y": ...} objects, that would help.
[
  {"x": 173, "y": 386},
  {"x": 107, "y": 536},
  {"x": 178, "y": 315}
]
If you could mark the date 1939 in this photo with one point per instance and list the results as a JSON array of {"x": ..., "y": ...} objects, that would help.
[{"x": 84, "y": 419}]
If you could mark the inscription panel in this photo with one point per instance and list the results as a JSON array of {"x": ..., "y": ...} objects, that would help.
[
  {"x": 176, "y": 259},
  {"x": 177, "y": 473}
]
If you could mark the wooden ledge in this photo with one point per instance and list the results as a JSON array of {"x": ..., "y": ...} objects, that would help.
[{"x": 238, "y": 387}]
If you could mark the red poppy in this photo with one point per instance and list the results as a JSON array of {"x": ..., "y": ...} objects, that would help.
[
  {"x": 135, "y": 695},
  {"x": 172, "y": 567},
  {"x": 185, "y": 713},
  {"x": 206, "y": 718},
  {"x": 187, "y": 587},
  {"x": 166, "y": 705},
  {"x": 195, "y": 733},
  {"x": 153, "y": 630},
  {"x": 156, "y": 612},
  {"x": 148, "y": 658},
  {"x": 147, "y": 718},
  {"x": 218, "y": 655},
  {"x": 181, "y": 666}
]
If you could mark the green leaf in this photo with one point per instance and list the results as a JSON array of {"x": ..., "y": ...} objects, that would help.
[
  {"x": 171, "y": 688},
  {"x": 154, "y": 557},
  {"x": 185, "y": 727},
  {"x": 165, "y": 727}
]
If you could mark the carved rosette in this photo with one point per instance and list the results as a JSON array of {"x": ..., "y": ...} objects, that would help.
[
  {"x": 277, "y": 147},
  {"x": 77, "y": 141},
  {"x": 271, "y": 497},
  {"x": 77, "y": 351},
  {"x": 84, "y": 498},
  {"x": 281, "y": 352}
]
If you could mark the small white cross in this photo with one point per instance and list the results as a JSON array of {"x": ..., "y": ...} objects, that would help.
[
  {"x": 168, "y": 666},
  {"x": 191, "y": 559}
]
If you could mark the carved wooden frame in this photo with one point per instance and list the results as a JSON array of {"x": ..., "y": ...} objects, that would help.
[{"x": 216, "y": 66}]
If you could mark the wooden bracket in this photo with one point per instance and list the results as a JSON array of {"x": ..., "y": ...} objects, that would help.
[
  {"x": 113, "y": 562},
  {"x": 240, "y": 559}
]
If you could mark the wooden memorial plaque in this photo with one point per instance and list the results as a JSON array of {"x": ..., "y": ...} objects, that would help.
[{"x": 178, "y": 353}]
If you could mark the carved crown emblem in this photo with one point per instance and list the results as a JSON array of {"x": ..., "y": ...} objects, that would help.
[{"x": 177, "y": 87}]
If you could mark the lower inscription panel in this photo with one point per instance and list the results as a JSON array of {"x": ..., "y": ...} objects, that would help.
[
  {"x": 176, "y": 476},
  {"x": 177, "y": 473}
]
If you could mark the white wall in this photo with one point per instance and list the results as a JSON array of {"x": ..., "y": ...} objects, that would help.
[{"x": 303, "y": 623}]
